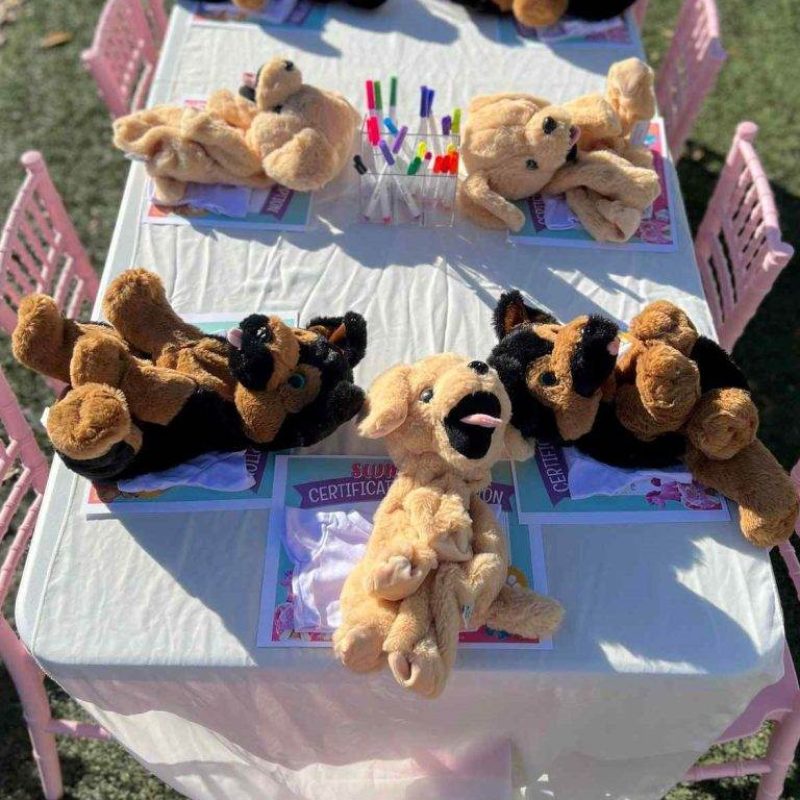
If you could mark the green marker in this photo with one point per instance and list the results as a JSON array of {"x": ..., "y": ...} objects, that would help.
[
  {"x": 414, "y": 166},
  {"x": 393, "y": 97},
  {"x": 378, "y": 100},
  {"x": 455, "y": 128}
]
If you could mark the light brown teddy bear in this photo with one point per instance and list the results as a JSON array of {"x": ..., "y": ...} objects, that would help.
[
  {"x": 437, "y": 559},
  {"x": 608, "y": 180},
  {"x": 279, "y": 130}
]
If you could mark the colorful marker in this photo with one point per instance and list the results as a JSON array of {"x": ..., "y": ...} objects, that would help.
[{"x": 393, "y": 97}]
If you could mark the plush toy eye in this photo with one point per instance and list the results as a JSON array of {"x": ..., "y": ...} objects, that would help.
[
  {"x": 531, "y": 164},
  {"x": 297, "y": 380},
  {"x": 549, "y": 125},
  {"x": 426, "y": 396},
  {"x": 288, "y": 65},
  {"x": 548, "y": 379},
  {"x": 277, "y": 109}
]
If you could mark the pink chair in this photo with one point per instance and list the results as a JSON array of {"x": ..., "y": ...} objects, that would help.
[
  {"x": 40, "y": 250},
  {"x": 690, "y": 70},
  {"x": 779, "y": 703},
  {"x": 25, "y": 470},
  {"x": 738, "y": 246},
  {"x": 640, "y": 12},
  {"x": 123, "y": 55}
]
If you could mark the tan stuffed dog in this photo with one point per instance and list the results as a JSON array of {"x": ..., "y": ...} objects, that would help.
[
  {"x": 608, "y": 180},
  {"x": 437, "y": 558},
  {"x": 278, "y": 130},
  {"x": 513, "y": 145}
]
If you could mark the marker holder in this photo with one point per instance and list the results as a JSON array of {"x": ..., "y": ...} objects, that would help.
[{"x": 389, "y": 196}]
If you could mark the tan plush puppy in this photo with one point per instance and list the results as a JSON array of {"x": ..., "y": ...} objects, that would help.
[
  {"x": 436, "y": 558},
  {"x": 513, "y": 145},
  {"x": 279, "y": 130},
  {"x": 608, "y": 182}
]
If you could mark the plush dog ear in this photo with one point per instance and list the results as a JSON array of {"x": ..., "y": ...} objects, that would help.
[
  {"x": 387, "y": 403},
  {"x": 512, "y": 311},
  {"x": 348, "y": 333}
]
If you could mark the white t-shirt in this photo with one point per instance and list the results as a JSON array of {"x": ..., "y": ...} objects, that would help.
[{"x": 325, "y": 546}]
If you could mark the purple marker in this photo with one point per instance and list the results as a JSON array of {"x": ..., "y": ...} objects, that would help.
[
  {"x": 446, "y": 125},
  {"x": 401, "y": 137},
  {"x": 387, "y": 153}
]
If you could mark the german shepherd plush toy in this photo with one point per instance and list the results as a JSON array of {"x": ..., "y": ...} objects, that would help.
[
  {"x": 672, "y": 395},
  {"x": 537, "y": 13},
  {"x": 149, "y": 391}
]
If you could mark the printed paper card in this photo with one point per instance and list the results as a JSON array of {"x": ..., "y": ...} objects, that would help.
[
  {"x": 549, "y": 221},
  {"x": 231, "y": 207},
  {"x": 214, "y": 482},
  {"x": 559, "y": 486},
  {"x": 358, "y": 484},
  {"x": 616, "y": 32},
  {"x": 305, "y": 15}
]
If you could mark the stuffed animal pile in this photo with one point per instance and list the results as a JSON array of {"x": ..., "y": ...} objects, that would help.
[
  {"x": 149, "y": 391},
  {"x": 669, "y": 395},
  {"x": 279, "y": 130},
  {"x": 517, "y": 145},
  {"x": 437, "y": 560},
  {"x": 538, "y": 13}
]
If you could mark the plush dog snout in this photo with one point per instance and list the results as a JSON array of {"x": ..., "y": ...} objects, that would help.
[
  {"x": 481, "y": 367},
  {"x": 288, "y": 65}
]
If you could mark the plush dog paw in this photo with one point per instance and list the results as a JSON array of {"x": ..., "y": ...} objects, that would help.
[
  {"x": 421, "y": 670},
  {"x": 89, "y": 421},
  {"x": 360, "y": 648},
  {"x": 395, "y": 578},
  {"x": 452, "y": 535},
  {"x": 724, "y": 422}
]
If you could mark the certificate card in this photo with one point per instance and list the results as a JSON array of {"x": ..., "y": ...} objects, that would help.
[
  {"x": 290, "y": 14},
  {"x": 346, "y": 483},
  {"x": 550, "y": 488},
  {"x": 550, "y": 222},
  {"x": 231, "y": 207},
  {"x": 245, "y": 479},
  {"x": 614, "y": 32}
]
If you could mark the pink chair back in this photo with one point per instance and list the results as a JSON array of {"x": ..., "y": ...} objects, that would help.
[
  {"x": 738, "y": 246},
  {"x": 124, "y": 52},
  {"x": 690, "y": 70},
  {"x": 640, "y": 12},
  {"x": 40, "y": 250}
]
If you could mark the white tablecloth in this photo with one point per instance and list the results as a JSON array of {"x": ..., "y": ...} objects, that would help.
[{"x": 151, "y": 622}]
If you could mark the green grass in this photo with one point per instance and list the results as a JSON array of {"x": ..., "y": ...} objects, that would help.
[{"x": 48, "y": 102}]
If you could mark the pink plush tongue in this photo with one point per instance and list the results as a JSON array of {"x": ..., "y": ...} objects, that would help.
[
  {"x": 613, "y": 347},
  {"x": 234, "y": 337},
  {"x": 482, "y": 421}
]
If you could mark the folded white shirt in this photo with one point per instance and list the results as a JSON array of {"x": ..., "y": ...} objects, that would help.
[
  {"x": 588, "y": 477},
  {"x": 221, "y": 472}
]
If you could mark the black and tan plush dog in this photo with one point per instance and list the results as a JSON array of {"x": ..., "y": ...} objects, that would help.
[
  {"x": 672, "y": 396},
  {"x": 149, "y": 391}
]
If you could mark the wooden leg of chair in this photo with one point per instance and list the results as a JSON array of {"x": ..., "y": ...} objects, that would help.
[
  {"x": 45, "y": 755},
  {"x": 780, "y": 755},
  {"x": 29, "y": 684}
]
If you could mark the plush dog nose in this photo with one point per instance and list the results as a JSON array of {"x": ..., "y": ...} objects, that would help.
[
  {"x": 288, "y": 65},
  {"x": 481, "y": 367}
]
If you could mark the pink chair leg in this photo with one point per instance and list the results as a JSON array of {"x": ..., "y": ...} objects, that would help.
[
  {"x": 29, "y": 683},
  {"x": 780, "y": 755}
]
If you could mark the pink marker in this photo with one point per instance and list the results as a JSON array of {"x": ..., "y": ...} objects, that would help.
[{"x": 371, "y": 98}]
